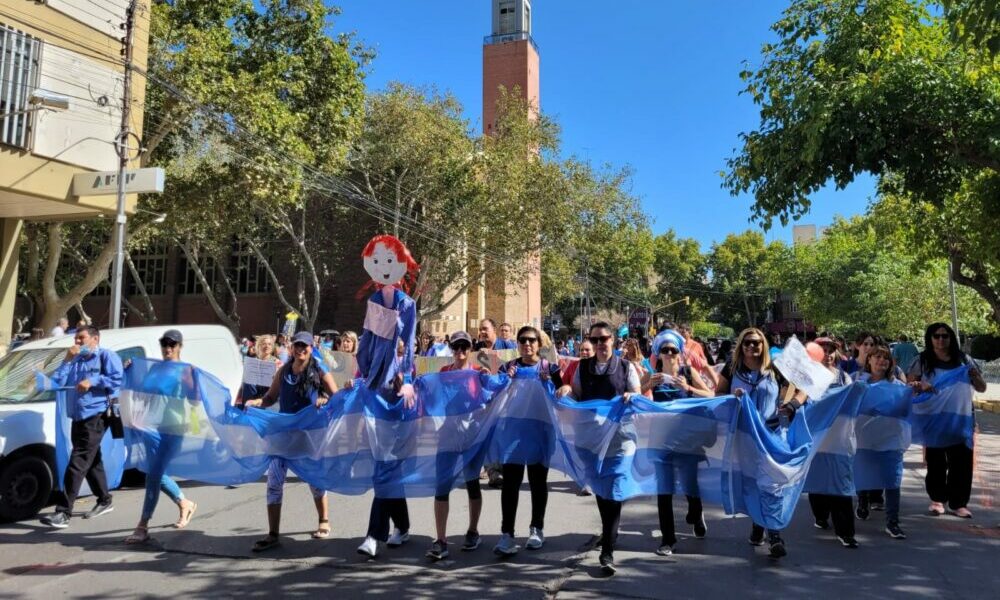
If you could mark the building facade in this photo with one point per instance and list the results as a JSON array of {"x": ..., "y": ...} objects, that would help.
[{"x": 61, "y": 88}]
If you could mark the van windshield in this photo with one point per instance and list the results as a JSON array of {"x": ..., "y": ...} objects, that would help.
[{"x": 17, "y": 374}]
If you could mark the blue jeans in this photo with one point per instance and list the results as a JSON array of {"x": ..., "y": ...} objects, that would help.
[{"x": 156, "y": 479}]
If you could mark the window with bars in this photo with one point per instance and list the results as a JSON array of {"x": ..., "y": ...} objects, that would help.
[
  {"x": 19, "y": 67},
  {"x": 151, "y": 265},
  {"x": 188, "y": 283},
  {"x": 251, "y": 274}
]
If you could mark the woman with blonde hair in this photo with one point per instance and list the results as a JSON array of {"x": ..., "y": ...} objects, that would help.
[
  {"x": 349, "y": 342},
  {"x": 750, "y": 373}
]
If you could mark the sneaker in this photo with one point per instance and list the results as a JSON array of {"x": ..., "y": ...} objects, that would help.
[
  {"x": 369, "y": 547},
  {"x": 495, "y": 479},
  {"x": 848, "y": 542},
  {"x": 777, "y": 546},
  {"x": 472, "y": 541},
  {"x": 963, "y": 513},
  {"x": 398, "y": 538},
  {"x": 895, "y": 531},
  {"x": 585, "y": 491},
  {"x": 535, "y": 539},
  {"x": 821, "y": 524},
  {"x": 438, "y": 550},
  {"x": 665, "y": 549},
  {"x": 936, "y": 509},
  {"x": 756, "y": 537},
  {"x": 862, "y": 511},
  {"x": 58, "y": 520},
  {"x": 608, "y": 564},
  {"x": 880, "y": 506},
  {"x": 698, "y": 525},
  {"x": 506, "y": 546},
  {"x": 98, "y": 510}
]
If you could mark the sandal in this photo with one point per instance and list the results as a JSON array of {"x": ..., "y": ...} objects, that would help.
[
  {"x": 266, "y": 543},
  {"x": 323, "y": 531},
  {"x": 186, "y": 514},
  {"x": 139, "y": 536}
]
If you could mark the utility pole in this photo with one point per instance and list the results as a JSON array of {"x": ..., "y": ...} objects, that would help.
[{"x": 121, "y": 147}]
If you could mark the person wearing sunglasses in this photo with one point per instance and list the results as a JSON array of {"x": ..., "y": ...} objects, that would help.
[
  {"x": 302, "y": 382},
  {"x": 461, "y": 349},
  {"x": 751, "y": 373},
  {"x": 174, "y": 423},
  {"x": 673, "y": 380},
  {"x": 949, "y": 468},
  {"x": 602, "y": 377},
  {"x": 528, "y": 345}
]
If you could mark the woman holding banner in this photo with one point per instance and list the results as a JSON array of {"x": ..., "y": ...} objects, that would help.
[
  {"x": 529, "y": 363},
  {"x": 302, "y": 382},
  {"x": 826, "y": 506},
  {"x": 461, "y": 347},
  {"x": 879, "y": 370},
  {"x": 947, "y": 421},
  {"x": 672, "y": 381},
  {"x": 603, "y": 377},
  {"x": 751, "y": 373}
]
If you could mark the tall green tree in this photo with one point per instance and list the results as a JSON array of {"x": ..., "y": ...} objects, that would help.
[
  {"x": 880, "y": 87},
  {"x": 739, "y": 266}
]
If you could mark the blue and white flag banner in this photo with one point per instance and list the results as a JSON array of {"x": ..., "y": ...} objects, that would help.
[
  {"x": 943, "y": 417},
  {"x": 180, "y": 420},
  {"x": 113, "y": 452}
]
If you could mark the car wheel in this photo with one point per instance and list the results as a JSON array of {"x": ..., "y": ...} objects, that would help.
[{"x": 25, "y": 487}]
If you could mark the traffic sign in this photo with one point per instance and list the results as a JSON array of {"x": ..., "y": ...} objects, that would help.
[{"x": 639, "y": 317}]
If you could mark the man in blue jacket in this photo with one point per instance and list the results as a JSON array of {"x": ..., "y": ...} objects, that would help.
[{"x": 95, "y": 375}]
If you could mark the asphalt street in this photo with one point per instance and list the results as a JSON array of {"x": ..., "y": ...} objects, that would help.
[{"x": 943, "y": 557}]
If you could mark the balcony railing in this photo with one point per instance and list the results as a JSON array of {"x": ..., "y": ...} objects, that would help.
[{"x": 509, "y": 37}]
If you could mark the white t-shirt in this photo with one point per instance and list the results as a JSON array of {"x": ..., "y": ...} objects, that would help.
[{"x": 57, "y": 331}]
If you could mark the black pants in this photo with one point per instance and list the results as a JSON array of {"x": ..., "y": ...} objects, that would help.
[
  {"x": 665, "y": 508},
  {"x": 384, "y": 509},
  {"x": 513, "y": 475},
  {"x": 84, "y": 463},
  {"x": 838, "y": 508},
  {"x": 949, "y": 475},
  {"x": 611, "y": 516}
]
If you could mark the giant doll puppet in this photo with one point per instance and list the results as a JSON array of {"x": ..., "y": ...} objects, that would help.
[{"x": 391, "y": 317}]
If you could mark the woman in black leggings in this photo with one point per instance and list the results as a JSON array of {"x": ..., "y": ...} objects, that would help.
[{"x": 528, "y": 344}]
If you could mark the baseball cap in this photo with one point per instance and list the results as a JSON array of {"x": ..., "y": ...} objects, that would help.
[
  {"x": 303, "y": 337},
  {"x": 173, "y": 335},
  {"x": 825, "y": 341},
  {"x": 460, "y": 336}
]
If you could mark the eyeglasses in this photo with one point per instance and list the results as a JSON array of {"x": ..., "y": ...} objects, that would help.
[
  {"x": 461, "y": 347},
  {"x": 168, "y": 344},
  {"x": 527, "y": 340},
  {"x": 300, "y": 346},
  {"x": 749, "y": 343},
  {"x": 941, "y": 336},
  {"x": 599, "y": 339},
  {"x": 669, "y": 350}
]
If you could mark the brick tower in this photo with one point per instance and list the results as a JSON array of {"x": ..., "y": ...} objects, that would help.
[{"x": 510, "y": 60}]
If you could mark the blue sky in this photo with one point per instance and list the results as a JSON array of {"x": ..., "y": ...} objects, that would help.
[{"x": 649, "y": 84}]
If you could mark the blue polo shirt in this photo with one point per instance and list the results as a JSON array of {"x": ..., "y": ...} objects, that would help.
[{"x": 103, "y": 368}]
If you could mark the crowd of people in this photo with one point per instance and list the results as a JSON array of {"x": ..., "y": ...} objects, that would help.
[{"x": 672, "y": 365}]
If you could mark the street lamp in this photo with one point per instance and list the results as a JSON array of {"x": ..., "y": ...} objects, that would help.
[{"x": 41, "y": 100}]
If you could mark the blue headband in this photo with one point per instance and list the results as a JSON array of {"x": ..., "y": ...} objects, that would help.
[{"x": 669, "y": 336}]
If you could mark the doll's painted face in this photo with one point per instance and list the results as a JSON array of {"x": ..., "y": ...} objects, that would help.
[{"x": 383, "y": 266}]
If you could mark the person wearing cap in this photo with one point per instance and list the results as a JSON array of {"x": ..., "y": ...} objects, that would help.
[
  {"x": 302, "y": 382},
  {"x": 673, "y": 380},
  {"x": 461, "y": 348},
  {"x": 158, "y": 455}
]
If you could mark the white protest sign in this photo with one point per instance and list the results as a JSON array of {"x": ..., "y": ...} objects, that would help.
[
  {"x": 258, "y": 372},
  {"x": 797, "y": 367}
]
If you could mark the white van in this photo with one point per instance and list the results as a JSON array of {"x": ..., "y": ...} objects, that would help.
[{"x": 27, "y": 417}]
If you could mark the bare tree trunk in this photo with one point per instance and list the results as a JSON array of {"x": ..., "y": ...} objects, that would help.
[
  {"x": 149, "y": 314},
  {"x": 192, "y": 259},
  {"x": 54, "y": 305},
  {"x": 309, "y": 313},
  {"x": 750, "y": 317},
  {"x": 978, "y": 282}
]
